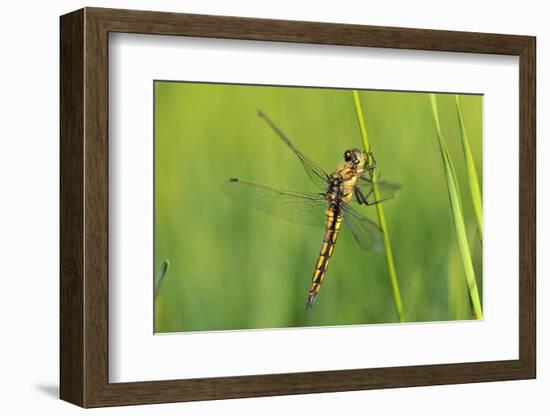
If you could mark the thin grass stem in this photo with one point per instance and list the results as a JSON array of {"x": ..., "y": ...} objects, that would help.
[{"x": 381, "y": 217}]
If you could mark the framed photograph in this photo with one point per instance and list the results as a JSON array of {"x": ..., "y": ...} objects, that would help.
[{"x": 255, "y": 207}]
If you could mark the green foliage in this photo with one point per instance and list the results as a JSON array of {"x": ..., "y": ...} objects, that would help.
[
  {"x": 160, "y": 277},
  {"x": 471, "y": 169},
  {"x": 457, "y": 214},
  {"x": 235, "y": 268},
  {"x": 381, "y": 217}
]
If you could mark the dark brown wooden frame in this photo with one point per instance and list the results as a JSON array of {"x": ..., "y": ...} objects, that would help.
[{"x": 84, "y": 207}]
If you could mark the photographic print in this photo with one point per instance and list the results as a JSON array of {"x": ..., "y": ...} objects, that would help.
[
  {"x": 282, "y": 207},
  {"x": 342, "y": 183}
]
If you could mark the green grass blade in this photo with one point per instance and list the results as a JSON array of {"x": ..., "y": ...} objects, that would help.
[
  {"x": 471, "y": 169},
  {"x": 381, "y": 217},
  {"x": 161, "y": 275},
  {"x": 457, "y": 215}
]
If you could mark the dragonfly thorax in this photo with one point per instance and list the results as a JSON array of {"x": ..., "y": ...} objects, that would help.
[{"x": 341, "y": 185}]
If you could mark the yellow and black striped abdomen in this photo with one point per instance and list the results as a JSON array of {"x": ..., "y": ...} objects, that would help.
[{"x": 332, "y": 228}]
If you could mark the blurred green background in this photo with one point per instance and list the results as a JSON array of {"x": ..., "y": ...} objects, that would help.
[{"x": 237, "y": 268}]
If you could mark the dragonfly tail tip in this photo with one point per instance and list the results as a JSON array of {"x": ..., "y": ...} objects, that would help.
[{"x": 309, "y": 302}]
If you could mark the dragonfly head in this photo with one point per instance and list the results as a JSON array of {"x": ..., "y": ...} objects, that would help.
[{"x": 355, "y": 156}]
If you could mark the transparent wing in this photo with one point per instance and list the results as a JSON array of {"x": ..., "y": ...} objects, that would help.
[
  {"x": 299, "y": 207},
  {"x": 386, "y": 189},
  {"x": 367, "y": 234},
  {"x": 316, "y": 174}
]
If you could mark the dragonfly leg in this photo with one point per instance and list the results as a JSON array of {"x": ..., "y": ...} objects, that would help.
[
  {"x": 372, "y": 164},
  {"x": 360, "y": 197},
  {"x": 369, "y": 203},
  {"x": 366, "y": 178}
]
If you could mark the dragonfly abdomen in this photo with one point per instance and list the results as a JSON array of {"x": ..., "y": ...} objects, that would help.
[{"x": 332, "y": 228}]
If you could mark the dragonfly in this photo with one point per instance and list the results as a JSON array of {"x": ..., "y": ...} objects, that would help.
[{"x": 351, "y": 182}]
